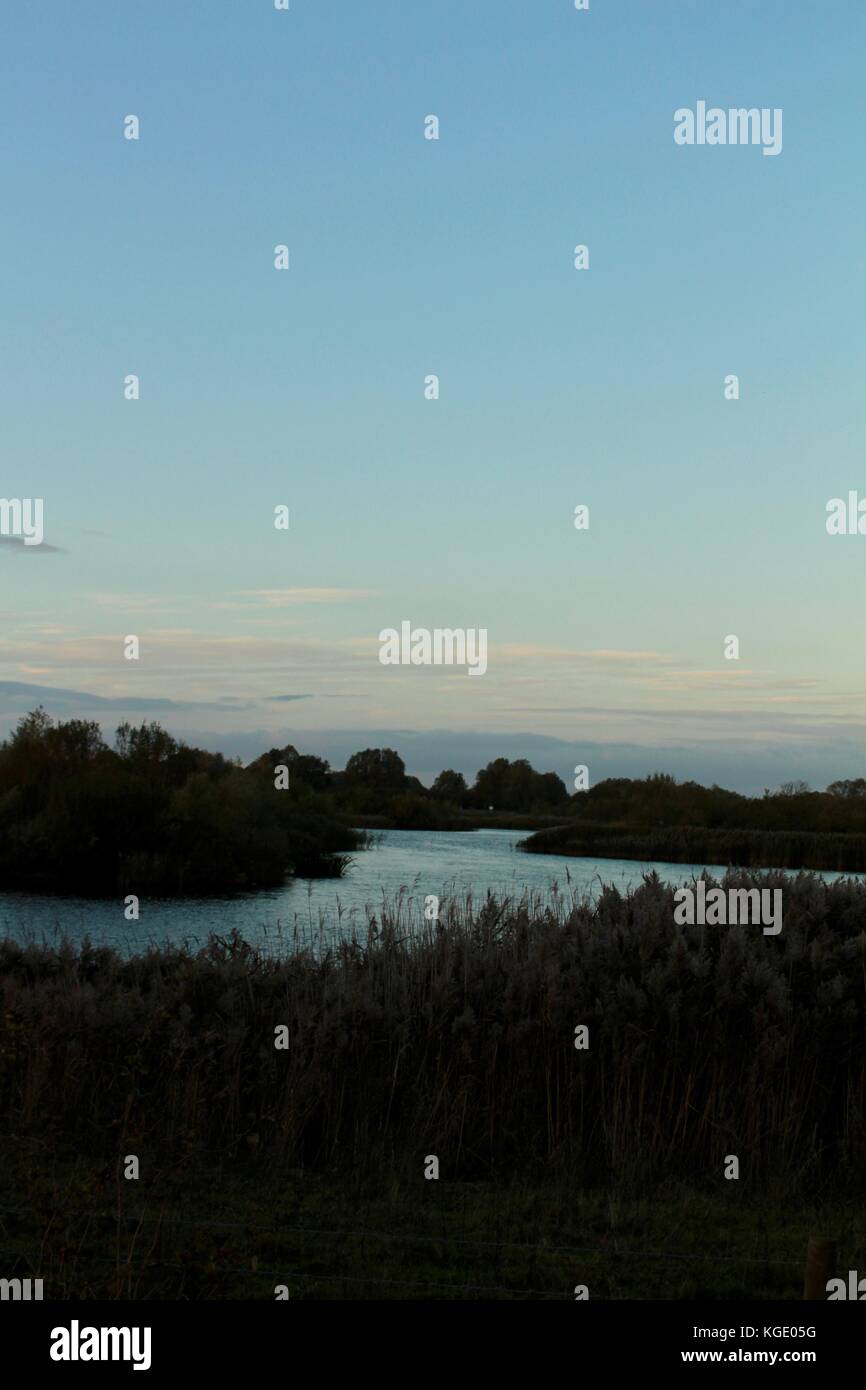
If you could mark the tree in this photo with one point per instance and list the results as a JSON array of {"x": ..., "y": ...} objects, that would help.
[
  {"x": 78, "y": 739},
  {"x": 490, "y": 784},
  {"x": 155, "y": 816},
  {"x": 849, "y": 787},
  {"x": 508, "y": 786},
  {"x": 304, "y": 768},
  {"x": 381, "y": 768},
  {"x": 312, "y": 771},
  {"x": 150, "y": 743},
  {"x": 550, "y": 790},
  {"x": 450, "y": 786},
  {"x": 798, "y": 788},
  {"x": 33, "y": 727}
]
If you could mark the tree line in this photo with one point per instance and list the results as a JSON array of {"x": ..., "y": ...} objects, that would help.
[{"x": 152, "y": 814}]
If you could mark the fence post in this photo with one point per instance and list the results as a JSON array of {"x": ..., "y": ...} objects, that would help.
[{"x": 820, "y": 1265}]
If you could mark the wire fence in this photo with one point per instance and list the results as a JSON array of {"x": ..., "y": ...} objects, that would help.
[
  {"x": 125, "y": 1265},
  {"x": 284, "y": 1275},
  {"x": 212, "y": 1267},
  {"x": 410, "y": 1237}
]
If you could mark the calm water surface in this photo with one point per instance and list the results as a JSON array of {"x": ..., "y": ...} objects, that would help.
[{"x": 404, "y": 865}]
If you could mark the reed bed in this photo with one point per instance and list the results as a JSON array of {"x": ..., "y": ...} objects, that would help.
[
  {"x": 456, "y": 1039},
  {"x": 675, "y": 844}
]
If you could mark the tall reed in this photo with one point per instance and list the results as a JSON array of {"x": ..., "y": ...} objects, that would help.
[{"x": 457, "y": 1039}]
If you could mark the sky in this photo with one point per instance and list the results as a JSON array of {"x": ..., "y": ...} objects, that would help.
[{"x": 305, "y": 388}]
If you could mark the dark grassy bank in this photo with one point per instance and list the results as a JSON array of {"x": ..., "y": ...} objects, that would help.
[
  {"x": 696, "y": 845},
  {"x": 457, "y": 1041}
]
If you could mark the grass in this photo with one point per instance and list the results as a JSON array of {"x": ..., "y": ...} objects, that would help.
[{"x": 237, "y": 1230}]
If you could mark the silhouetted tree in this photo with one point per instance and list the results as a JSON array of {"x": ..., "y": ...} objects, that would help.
[
  {"x": 855, "y": 787},
  {"x": 450, "y": 786},
  {"x": 377, "y": 767}
]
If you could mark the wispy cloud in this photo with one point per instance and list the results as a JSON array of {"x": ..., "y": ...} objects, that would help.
[
  {"x": 130, "y": 603},
  {"x": 285, "y": 598},
  {"x": 58, "y": 699},
  {"x": 601, "y": 655}
]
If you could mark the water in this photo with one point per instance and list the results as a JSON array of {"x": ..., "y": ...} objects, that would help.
[{"x": 407, "y": 863}]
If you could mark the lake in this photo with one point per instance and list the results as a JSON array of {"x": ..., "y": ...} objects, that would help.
[{"x": 404, "y": 865}]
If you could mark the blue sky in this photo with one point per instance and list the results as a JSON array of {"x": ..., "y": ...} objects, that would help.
[{"x": 558, "y": 387}]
